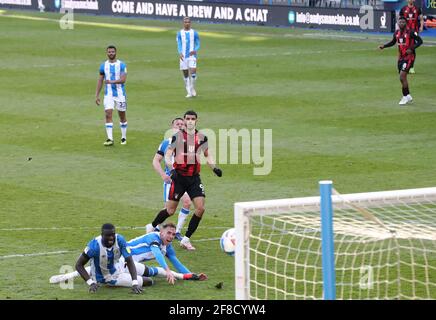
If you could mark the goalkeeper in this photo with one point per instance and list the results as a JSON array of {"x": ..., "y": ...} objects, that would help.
[{"x": 155, "y": 245}]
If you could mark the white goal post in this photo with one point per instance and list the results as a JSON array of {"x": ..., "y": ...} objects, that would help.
[{"x": 384, "y": 246}]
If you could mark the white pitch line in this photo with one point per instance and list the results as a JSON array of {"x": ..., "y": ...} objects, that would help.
[{"x": 25, "y": 255}]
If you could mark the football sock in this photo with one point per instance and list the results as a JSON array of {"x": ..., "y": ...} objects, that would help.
[
  {"x": 150, "y": 271},
  {"x": 161, "y": 217},
  {"x": 406, "y": 91},
  {"x": 187, "y": 84},
  {"x": 193, "y": 224},
  {"x": 123, "y": 126},
  {"x": 109, "y": 127},
  {"x": 193, "y": 80},
  {"x": 183, "y": 214}
]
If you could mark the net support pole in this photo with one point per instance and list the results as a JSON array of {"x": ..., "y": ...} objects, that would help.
[{"x": 327, "y": 244}]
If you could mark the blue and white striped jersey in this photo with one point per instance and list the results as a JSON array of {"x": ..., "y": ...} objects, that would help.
[
  {"x": 113, "y": 71},
  {"x": 142, "y": 250},
  {"x": 187, "y": 41},
  {"x": 104, "y": 260},
  {"x": 162, "y": 149}
]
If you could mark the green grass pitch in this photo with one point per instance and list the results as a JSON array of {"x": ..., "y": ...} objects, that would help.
[{"x": 331, "y": 100}]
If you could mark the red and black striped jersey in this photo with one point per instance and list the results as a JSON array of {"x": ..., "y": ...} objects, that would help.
[
  {"x": 187, "y": 151},
  {"x": 412, "y": 16}
]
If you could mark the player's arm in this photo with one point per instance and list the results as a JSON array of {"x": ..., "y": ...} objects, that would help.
[
  {"x": 169, "y": 160},
  {"x": 121, "y": 80},
  {"x": 158, "y": 168},
  {"x": 98, "y": 89},
  {"x": 161, "y": 260},
  {"x": 133, "y": 274},
  {"x": 417, "y": 41},
  {"x": 209, "y": 158},
  {"x": 179, "y": 45},
  {"x": 80, "y": 267},
  {"x": 389, "y": 44}
]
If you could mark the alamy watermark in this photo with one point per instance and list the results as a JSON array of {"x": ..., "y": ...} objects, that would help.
[
  {"x": 232, "y": 146},
  {"x": 66, "y": 22}
]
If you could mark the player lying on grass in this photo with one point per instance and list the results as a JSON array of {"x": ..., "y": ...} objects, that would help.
[{"x": 155, "y": 245}]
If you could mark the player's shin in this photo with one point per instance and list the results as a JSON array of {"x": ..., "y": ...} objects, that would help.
[{"x": 183, "y": 214}]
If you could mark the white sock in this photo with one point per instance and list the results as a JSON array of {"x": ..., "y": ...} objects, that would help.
[
  {"x": 187, "y": 85},
  {"x": 193, "y": 80},
  {"x": 123, "y": 126},
  {"x": 109, "y": 127},
  {"x": 183, "y": 214},
  {"x": 162, "y": 273}
]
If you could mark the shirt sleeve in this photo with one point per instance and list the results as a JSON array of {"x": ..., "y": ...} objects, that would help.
[
  {"x": 171, "y": 254},
  {"x": 125, "y": 250},
  {"x": 123, "y": 68},
  {"x": 173, "y": 143},
  {"x": 196, "y": 41},
  {"x": 179, "y": 42},
  {"x": 163, "y": 147},
  {"x": 158, "y": 255},
  {"x": 101, "y": 70},
  {"x": 91, "y": 249}
]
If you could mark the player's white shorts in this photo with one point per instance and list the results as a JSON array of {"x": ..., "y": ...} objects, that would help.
[
  {"x": 122, "y": 277},
  {"x": 110, "y": 103},
  {"x": 188, "y": 63}
]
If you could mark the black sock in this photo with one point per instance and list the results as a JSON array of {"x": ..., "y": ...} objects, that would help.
[
  {"x": 193, "y": 224},
  {"x": 406, "y": 91},
  {"x": 161, "y": 217}
]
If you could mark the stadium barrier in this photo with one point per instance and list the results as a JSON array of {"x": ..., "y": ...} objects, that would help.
[{"x": 363, "y": 19}]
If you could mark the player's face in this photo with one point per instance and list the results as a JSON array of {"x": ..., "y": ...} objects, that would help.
[
  {"x": 402, "y": 23},
  {"x": 411, "y": 2},
  {"x": 190, "y": 122},
  {"x": 167, "y": 235},
  {"x": 187, "y": 24},
  {"x": 178, "y": 125},
  {"x": 111, "y": 53},
  {"x": 108, "y": 238}
]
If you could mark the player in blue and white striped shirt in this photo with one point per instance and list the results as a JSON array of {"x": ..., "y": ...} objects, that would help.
[
  {"x": 104, "y": 252},
  {"x": 108, "y": 267},
  {"x": 176, "y": 125},
  {"x": 113, "y": 73},
  {"x": 188, "y": 44}
]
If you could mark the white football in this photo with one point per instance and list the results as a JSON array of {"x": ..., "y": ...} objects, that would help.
[{"x": 228, "y": 241}]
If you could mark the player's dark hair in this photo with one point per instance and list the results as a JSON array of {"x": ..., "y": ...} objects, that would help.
[
  {"x": 111, "y": 47},
  {"x": 168, "y": 224},
  {"x": 107, "y": 226},
  {"x": 402, "y": 18},
  {"x": 175, "y": 119},
  {"x": 190, "y": 113}
]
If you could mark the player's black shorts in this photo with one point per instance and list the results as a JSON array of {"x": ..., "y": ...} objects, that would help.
[
  {"x": 190, "y": 184},
  {"x": 405, "y": 64}
]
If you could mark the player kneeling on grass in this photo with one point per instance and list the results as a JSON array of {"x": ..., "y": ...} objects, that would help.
[{"x": 155, "y": 245}]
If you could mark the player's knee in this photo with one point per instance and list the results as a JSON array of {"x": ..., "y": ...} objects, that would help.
[
  {"x": 199, "y": 211},
  {"x": 186, "y": 203},
  {"x": 171, "y": 211}
]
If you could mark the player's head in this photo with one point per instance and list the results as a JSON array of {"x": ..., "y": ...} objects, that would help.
[
  {"x": 190, "y": 118},
  {"x": 111, "y": 52},
  {"x": 411, "y": 2},
  {"x": 402, "y": 22},
  {"x": 187, "y": 23},
  {"x": 167, "y": 232},
  {"x": 108, "y": 235},
  {"x": 177, "y": 124}
]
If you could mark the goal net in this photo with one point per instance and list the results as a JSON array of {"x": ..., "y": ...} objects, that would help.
[{"x": 384, "y": 246}]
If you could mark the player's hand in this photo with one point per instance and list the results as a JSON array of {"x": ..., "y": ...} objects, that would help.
[
  {"x": 381, "y": 47},
  {"x": 173, "y": 174},
  {"x": 409, "y": 51},
  {"x": 192, "y": 53},
  {"x": 97, "y": 101},
  {"x": 136, "y": 289},
  {"x": 166, "y": 179},
  {"x": 93, "y": 288},
  {"x": 181, "y": 57},
  {"x": 170, "y": 277},
  {"x": 218, "y": 172},
  {"x": 108, "y": 81}
]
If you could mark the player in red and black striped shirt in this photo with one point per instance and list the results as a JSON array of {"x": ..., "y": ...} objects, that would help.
[
  {"x": 186, "y": 147},
  {"x": 407, "y": 41},
  {"x": 414, "y": 19}
]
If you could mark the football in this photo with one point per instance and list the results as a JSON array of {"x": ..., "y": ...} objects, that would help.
[{"x": 228, "y": 242}]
